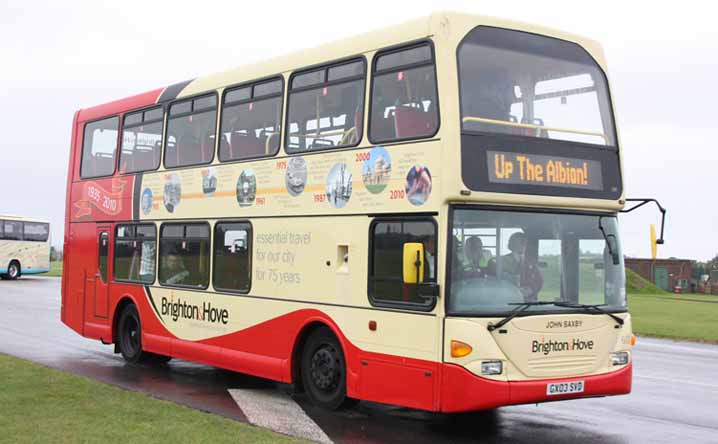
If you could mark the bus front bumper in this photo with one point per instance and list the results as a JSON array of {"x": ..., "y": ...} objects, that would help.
[{"x": 463, "y": 391}]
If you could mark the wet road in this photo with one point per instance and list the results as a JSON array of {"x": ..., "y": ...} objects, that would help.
[{"x": 674, "y": 399}]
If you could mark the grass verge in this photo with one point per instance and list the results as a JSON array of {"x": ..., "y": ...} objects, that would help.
[
  {"x": 688, "y": 316},
  {"x": 636, "y": 284},
  {"x": 41, "y": 405}
]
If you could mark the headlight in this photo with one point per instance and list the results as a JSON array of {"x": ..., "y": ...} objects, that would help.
[
  {"x": 619, "y": 358},
  {"x": 492, "y": 367}
]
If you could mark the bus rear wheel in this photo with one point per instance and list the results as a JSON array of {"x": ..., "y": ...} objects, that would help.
[
  {"x": 129, "y": 334},
  {"x": 13, "y": 270},
  {"x": 324, "y": 370}
]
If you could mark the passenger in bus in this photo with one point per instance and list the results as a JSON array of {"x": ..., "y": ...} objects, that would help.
[
  {"x": 479, "y": 263},
  {"x": 490, "y": 98},
  {"x": 519, "y": 269},
  {"x": 175, "y": 270}
]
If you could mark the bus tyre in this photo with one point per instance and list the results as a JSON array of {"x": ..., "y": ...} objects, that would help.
[
  {"x": 324, "y": 370},
  {"x": 13, "y": 270},
  {"x": 129, "y": 334}
]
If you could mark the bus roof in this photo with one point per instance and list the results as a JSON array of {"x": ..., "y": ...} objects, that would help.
[
  {"x": 416, "y": 29},
  {"x": 21, "y": 218}
]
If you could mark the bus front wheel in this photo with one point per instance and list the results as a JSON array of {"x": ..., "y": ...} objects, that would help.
[
  {"x": 129, "y": 334},
  {"x": 324, "y": 370}
]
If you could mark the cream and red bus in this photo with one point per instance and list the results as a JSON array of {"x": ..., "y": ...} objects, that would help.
[
  {"x": 24, "y": 246},
  {"x": 423, "y": 216}
]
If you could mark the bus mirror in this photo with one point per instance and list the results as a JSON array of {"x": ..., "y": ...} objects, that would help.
[
  {"x": 413, "y": 263},
  {"x": 641, "y": 202}
]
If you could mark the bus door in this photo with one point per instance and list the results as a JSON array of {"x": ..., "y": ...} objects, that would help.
[{"x": 100, "y": 304}]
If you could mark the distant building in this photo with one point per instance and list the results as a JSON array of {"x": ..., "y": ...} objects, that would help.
[{"x": 664, "y": 273}]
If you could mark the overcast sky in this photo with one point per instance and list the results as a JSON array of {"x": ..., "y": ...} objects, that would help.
[{"x": 57, "y": 57}]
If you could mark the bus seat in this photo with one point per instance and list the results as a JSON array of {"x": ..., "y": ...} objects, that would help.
[
  {"x": 225, "y": 148},
  {"x": 411, "y": 122},
  {"x": 188, "y": 151},
  {"x": 156, "y": 154},
  {"x": 171, "y": 152},
  {"x": 101, "y": 165},
  {"x": 382, "y": 128},
  {"x": 206, "y": 148},
  {"x": 127, "y": 161},
  {"x": 244, "y": 145},
  {"x": 358, "y": 124},
  {"x": 144, "y": 159}
]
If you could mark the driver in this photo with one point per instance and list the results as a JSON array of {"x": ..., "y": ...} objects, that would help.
[
  {"x": 519, "y": 270},
  {"x": 479, "y": 265}
]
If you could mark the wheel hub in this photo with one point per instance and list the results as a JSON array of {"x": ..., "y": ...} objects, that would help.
[
  {"x": 132, "y": 336},
  {"x": 325, "y": 368}
]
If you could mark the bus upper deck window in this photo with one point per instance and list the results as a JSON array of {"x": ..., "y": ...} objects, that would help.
[
  {"x": 251, "y": 121},
  {"x": 141, "y": 140},
  {"x": 191, "y": 130},
  {"x": 99, "y": 148},
  {"x": 326, "y": 107},
  {"x": 404, "y": 103}
]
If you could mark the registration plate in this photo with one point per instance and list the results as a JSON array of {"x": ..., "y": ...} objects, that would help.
[{"x": 564, "y": 388}]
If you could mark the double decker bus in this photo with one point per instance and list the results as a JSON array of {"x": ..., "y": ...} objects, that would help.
[
  {"x": 423, "y": 216},
  {"x": 24, "y": 246}
]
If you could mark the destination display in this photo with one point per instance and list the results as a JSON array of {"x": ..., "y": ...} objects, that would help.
[{"x": 534, "y": 169}]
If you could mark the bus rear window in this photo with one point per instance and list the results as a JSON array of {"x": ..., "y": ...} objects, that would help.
[
  {"x": 535, "y": 86},
  {"x": 99, "y": 147},
  {"x": 404, "y": 103}
]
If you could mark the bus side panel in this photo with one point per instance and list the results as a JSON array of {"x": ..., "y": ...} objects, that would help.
[
  {"x": 392, "y": 380},
  {"x": 265, "y": 350},
  {"x": 80, "y": 278}
]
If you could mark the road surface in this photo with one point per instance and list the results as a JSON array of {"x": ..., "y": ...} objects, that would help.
[{"x": 674, "y": 399}]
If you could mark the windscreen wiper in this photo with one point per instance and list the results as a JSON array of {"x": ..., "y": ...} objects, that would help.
[
  {"x": 610, "y": 242},
  {"x": 523, "y": 306},
  {"x": 597, "y": 308},
  {"x": 520, "y": 307}
]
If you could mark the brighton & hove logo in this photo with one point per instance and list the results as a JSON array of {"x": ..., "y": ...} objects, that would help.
[
  {"x": 547, "y": 347},
  {"x": 178, "y": 308}
]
